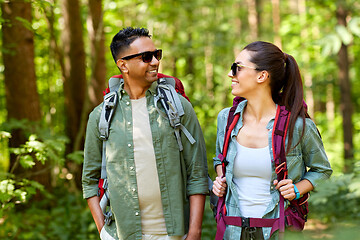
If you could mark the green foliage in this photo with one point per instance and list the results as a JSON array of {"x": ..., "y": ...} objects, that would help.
[
  {"x": 14, "y": 193},
  {"x": 61, "y": 216},
  {"x": 338, "y": 198},
  {"x": 4, "y": 150},
  {"x": 37, "y": 150},
  {"x": 16, "y": 190}
]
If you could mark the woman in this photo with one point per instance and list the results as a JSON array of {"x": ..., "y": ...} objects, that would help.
[{"x": 266, "y": 77}]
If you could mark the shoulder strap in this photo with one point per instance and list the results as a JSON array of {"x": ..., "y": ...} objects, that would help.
[
  {"x": 221, "y": 207},
  {"x": 279, "y": 132},
  {"x": 107, "y": 112},
  {"x": 231, "y": 122},
  {"x": 170, "y": 100}
]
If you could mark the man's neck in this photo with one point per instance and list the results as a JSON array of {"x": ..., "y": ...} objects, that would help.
[{"x": 135, "y": 91}]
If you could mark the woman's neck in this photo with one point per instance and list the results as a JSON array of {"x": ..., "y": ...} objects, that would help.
[{"x": 260, "y": 108}]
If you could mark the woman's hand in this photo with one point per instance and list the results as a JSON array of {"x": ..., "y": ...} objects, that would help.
[
  {"x": 219, "y": 186},
  {"x": 286, "y": 188}
]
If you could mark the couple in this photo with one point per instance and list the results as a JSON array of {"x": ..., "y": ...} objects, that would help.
[{"x": 157, "y": 191}]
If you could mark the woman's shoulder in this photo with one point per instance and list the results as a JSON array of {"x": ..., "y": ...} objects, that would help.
[
  {"x": 224, "y": 113},
  {"x": 310, "y": 126},
  {"x": 308, "y": 123}
]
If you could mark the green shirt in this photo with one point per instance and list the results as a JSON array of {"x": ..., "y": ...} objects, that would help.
[{"x": 181, "y": 174}]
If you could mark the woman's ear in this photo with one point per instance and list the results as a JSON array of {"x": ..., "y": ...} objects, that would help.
[
  {"x": 122, "y": 66},
  {"x": 263, "y": 76}
]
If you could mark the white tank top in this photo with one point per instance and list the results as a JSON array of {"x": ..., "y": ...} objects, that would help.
[{"x": 252, "y": 176}]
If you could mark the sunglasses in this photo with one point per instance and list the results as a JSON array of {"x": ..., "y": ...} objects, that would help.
[
  {"x": 236, "y": 66},
  {"x": 146, "y": 56}
]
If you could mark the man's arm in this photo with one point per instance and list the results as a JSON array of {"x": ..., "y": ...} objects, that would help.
[
  {"x": 96, "y": 212},
  {"x": 197, "y": 203}
]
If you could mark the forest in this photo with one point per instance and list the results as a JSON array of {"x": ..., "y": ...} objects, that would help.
[{"x": 55, "y": 63}]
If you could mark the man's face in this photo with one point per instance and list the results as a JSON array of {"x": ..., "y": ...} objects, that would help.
[{"x": 139, "y": 72}]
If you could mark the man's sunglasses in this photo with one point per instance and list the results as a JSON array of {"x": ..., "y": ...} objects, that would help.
[
  {"x": 146, "y": 56},
  {"x": 236, "y": 66}
]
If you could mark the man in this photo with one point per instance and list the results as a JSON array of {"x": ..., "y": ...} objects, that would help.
[{"x": 156, "y": 191}]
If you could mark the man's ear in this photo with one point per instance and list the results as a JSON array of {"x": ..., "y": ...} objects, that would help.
[
  {"x": 122, "y": 65},
  {"x": 263, "y": 76}
]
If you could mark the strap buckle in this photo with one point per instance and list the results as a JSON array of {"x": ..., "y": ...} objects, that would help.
[{"x": 245, "y": 222}]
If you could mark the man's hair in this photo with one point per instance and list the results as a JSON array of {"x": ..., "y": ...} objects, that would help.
[{"x": 122, "y": 40}]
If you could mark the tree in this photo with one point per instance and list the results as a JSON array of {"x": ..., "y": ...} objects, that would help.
[
  {"x": 345, "y": 92},
  {"x": 74, "y": 69},
  {"x": 22, "y": 99},
  {"x": 75, "y": 84},
  {"x": 98, "y": 68}
]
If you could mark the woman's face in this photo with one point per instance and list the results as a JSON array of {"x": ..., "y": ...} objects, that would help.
[{"x": 245, "y": 81}]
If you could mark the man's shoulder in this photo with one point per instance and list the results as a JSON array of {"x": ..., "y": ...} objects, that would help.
[{"x": 96, "y": 112}]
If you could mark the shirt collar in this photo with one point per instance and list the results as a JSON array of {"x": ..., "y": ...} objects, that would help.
[{"x": 152, "y": 89}]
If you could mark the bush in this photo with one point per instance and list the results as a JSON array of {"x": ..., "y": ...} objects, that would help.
[{"x": 338, "y": 198}]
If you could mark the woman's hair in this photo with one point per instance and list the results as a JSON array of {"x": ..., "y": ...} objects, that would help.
[{"x": 285, "y": 81}]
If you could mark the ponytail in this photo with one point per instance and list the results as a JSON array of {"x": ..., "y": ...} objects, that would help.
[{"x": 292, "y": 97}]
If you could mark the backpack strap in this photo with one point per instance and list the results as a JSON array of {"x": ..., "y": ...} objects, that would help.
[
  {"x": 279, "y": 133},
  {"x": 221, "y": 207},
  {"x": 107, "y": 112},
  {"x": 170, "y": 100},
  {"x": 278, "y": 141}
]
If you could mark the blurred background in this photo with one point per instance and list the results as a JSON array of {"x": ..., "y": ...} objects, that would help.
[{"x": 55, "y": 62}]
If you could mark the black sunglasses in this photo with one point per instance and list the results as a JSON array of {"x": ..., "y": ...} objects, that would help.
[
  {"x": 146, "y": 56},
  {"x": 235, "y": 66}
]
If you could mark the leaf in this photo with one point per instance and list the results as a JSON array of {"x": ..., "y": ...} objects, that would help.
[
  {"x": 331, "y": 44},
  {"x": 77, "y": 156},
  {"x": 344, "y": 34},
  {"x": 27, "y": 161},
  {"x": 4, "y": 134},
  {"x": 354, "y": 26}
]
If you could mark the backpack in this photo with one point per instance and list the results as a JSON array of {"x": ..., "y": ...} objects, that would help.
[
  {"x": 167, "y": 94},
  {"x": 295, "y": 215}
]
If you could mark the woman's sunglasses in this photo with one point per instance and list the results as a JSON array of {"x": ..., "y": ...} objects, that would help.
[
  {"x": 146, "y": 56},
  {"x": 236, "y": 66}
]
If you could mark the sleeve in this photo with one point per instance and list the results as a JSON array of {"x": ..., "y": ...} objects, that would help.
[
  {"x": 221, "y": 120},
  {"x": 194, "y": 154},
  {"x": 314, "y": 155},
  {"x": 92, "y": 156}
]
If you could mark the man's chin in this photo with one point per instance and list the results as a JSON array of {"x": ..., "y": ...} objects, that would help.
[{"x": 152, "y": 77}]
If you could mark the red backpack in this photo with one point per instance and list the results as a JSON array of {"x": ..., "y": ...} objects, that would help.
[{"x": 295, "y": 215}]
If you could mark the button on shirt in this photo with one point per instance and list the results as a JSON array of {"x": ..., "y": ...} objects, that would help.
[
  {"x": 180, "y": 174},
  {"x": 309, "y": 153}
]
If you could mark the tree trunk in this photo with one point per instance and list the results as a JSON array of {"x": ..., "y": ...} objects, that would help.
[
  {"x": 22, "y": 98},
  {"x": 307, "y": 78},
  {"x": 97, "y": 40},
  {"x": 276, "y": 22},
  {"x": 75, "y": 84},
  {"x": 74, "y": 69},
  {"x": 253, "y": 19},
  {"x": 345, "y": 92},
  {"x": 94, "y": 95}
]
